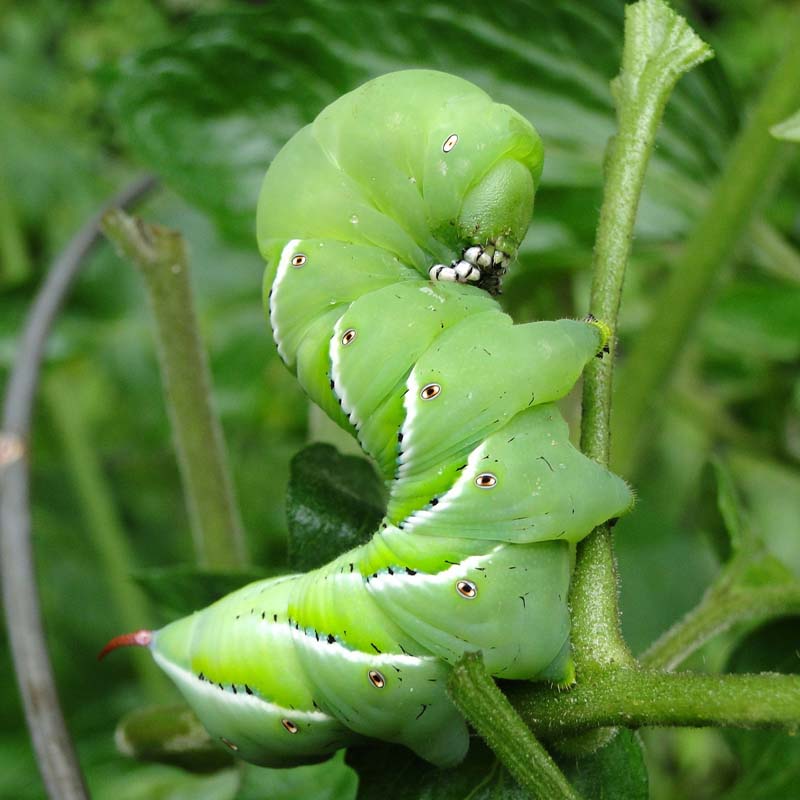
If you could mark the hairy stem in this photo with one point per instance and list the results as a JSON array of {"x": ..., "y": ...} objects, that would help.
[
  {"x": 640, "y": 698},
  {"x": 488, "y": 710},
  {"x": 160, "y": 255},
  {"x": 659, "y": 48},
  {"x": 736, "y": 196}
]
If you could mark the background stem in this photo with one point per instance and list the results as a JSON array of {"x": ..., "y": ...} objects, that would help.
[
  {"x": 160, "y": 255},
  {"x": 722, "y": 607},
  {"x": 736, "y": 196},
  {"x": 130, "y": 610}
]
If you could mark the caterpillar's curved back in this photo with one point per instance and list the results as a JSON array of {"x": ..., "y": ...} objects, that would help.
[{"x": 387, "y": 225}]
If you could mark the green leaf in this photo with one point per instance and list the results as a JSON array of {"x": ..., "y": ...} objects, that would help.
[
  {"x": 789, "y": 129},
  {"x": 209, "y": 111},
  {"x": 334, "y": 503},
  {"x": 769, "y": 761},
  {"x": 182, "y": 589},
  {"x": 724, "y": 520},
  {"x": 387, "y": 771},
  {"x": 771, "y": 490},
  {"x": 756, "y": 320},
  {"x": 616, "y": 770},
  {"x": 165, "y": 783},
  {"x": 331, "y": 780},
  {"x": 170, "y": 735}
]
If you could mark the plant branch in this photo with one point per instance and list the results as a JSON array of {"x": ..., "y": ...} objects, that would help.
[
  {"x": 54, "y": 750},
  {"x": 161, "y": 258},
  {"x": 659, "y": 48},
  {"x": 476, "y": 695},
  {"x": 724, "y": 604},
  {"x": 642, "y": 698},
  {"x": 736, "y": 196}
]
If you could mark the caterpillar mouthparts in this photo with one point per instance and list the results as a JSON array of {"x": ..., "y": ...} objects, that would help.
[{"x": 480, "y": 265}]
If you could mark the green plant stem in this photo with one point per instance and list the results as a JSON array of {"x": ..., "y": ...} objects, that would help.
[
  {"x": 160, "y": 256},
  {"x": 753, "y": 156},
  {"x": 636, "y": 698},
  {"x": 659, "y": 48},
  {"x": 722, "y": 606},
  {"x": 487, "y": 708},
  {"x": 102, "y": 522}
]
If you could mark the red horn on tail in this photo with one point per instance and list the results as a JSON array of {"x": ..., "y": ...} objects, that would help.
[{"x": 135, "y": 639}]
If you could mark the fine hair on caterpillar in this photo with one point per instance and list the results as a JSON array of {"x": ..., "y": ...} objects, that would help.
[{"x": 387, "y": 225}]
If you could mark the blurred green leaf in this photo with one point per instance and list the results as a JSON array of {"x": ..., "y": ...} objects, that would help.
[
  {"x": 170, "y": 735},
  {"x": 772, "y": 492},
  {"x": 756, "y": 320},
  {"x": 387, "y": 771},
  {"x": 769, "y": 761},
  {"x": 331, "y": 780},
  {"x": 788, "y": 129},
  {"x": 169, "y": 783},
  {"x": 334, "y": 503},
  {"x": 615, "y": 771},
  {"x": 182, "y": 589},
  {"x": 209, "y": 111}
]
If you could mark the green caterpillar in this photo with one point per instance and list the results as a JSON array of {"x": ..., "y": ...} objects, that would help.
[{"x": 387, "y": 225}]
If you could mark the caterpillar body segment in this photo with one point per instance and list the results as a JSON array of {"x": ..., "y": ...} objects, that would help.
[{"x": 387, "y": 225}]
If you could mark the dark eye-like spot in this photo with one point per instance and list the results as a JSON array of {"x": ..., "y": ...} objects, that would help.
[
  {"x": 430, "y": 391},
  {"x": 450, "y": 142},
  {"x": 229, "y": 743},
  {"x": 467, "y": 589},
  {"x": 299, "y": 260},
  {"x": 348, "y": 336},
  {"x": 486, "y": 480},
  {"x": 289, "y": 726},
  {"x": 376, "y": 679}
]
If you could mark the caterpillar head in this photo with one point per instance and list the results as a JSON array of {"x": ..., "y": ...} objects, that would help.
[{"x": 501, "y": 158}]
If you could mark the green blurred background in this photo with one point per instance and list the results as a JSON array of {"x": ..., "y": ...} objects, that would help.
[{"x": 203, "y": 93}]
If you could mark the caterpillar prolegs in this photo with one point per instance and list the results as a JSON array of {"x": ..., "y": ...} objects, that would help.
[{"x": 387, "y": 225}]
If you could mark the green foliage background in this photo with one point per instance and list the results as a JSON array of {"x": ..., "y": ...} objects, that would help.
[{"x": 203, "y": 93}]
